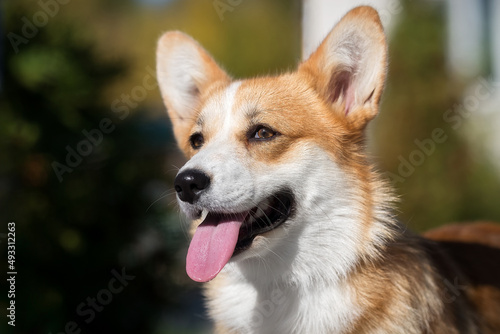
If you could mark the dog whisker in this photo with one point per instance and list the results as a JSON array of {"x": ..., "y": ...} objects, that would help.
[{"x": 165, "y": 194}]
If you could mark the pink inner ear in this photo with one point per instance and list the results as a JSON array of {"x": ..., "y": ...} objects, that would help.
[
  {"x": 349, "y": 98},
  {"x": 341, "y": 86}
]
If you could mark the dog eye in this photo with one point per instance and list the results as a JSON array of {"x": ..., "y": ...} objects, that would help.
[
  {"x": 263, "y": 133},
  {"x": 196, "y": 140}
]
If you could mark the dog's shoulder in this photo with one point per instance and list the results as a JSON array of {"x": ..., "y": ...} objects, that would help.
[
  {"x": 483, "y": 233},
  {"x": 468, "y": 255}
]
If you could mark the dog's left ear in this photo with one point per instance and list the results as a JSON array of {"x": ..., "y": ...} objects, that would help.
[{"x": 349, "y": 68}]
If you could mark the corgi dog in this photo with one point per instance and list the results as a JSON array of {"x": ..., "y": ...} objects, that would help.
[{"x": 293, "y": 229}]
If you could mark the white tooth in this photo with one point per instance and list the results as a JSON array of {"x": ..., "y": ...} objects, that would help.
[
  {"x": 259, "y": 213},
  {"x": 251, "y": 219},
  {"x": 265, "y": 204},
  {"x": 262, "y": 208},
  {"x": 204, "y": 214}
]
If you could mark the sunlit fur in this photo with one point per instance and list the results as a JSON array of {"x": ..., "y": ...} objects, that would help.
[{"x": 340, "y": 263}]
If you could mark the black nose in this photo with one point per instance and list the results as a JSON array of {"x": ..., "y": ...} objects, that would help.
[{"x": 190, "y": 184}]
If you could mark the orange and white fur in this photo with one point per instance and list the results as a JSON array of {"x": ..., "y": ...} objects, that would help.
[{"x": 292, "y": 228}]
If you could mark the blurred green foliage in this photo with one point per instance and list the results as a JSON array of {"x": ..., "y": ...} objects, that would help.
[
  {"x": 72, "y": 233},
  {"x": 116, "y": 210}
]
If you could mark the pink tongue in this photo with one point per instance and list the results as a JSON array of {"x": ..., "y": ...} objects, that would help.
[{"x": 212, "y": 246}]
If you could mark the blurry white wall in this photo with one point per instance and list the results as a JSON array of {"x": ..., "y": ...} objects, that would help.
[
  {"x": 474, "y": 56},
  {"x": 319, "y": 17}
]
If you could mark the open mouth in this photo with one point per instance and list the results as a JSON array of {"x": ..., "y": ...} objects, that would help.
[
  {"x": 265, "y": 217},
  {"x": 222, "y": 235}
]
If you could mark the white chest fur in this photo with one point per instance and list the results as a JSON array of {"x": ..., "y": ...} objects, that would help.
[{"x": 246, "y": 308}]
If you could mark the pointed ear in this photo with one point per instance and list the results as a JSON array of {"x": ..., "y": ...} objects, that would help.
[
  {"x": 185, "y": 72},
  {"x": 348, "y": 69}
]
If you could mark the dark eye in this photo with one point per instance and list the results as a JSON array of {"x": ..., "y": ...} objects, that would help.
[
  {"x": 196, "y": 140},
  {"x": 262, "y": 133}
]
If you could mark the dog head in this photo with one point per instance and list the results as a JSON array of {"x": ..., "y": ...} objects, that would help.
[{"x": 276, "y": 163}]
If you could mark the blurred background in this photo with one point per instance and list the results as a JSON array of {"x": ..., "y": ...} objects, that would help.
[{"x": 87, "y": 156}]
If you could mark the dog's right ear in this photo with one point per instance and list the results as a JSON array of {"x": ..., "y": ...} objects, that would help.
[
  {"x": 185, "y": 71},
  {"x": 348, "y": 69}
]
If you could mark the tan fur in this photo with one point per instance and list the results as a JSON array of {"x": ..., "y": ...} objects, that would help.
[
  {"x": 403, "y": 283},
  {"x": 486, "y": 233}
]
